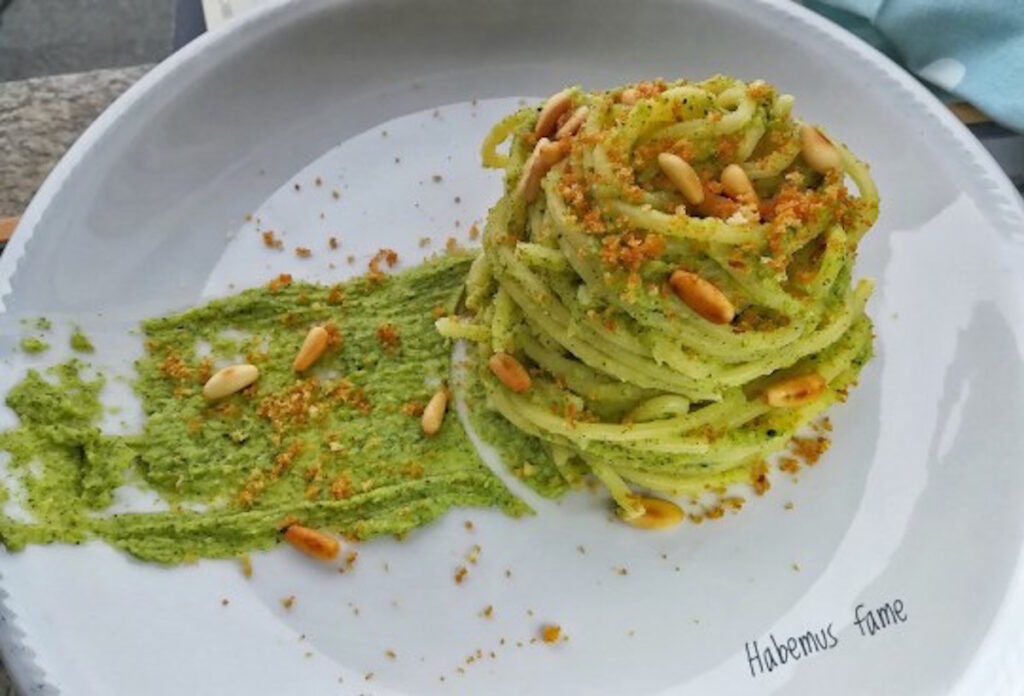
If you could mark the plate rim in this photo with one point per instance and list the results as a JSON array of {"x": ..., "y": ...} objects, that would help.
[{"x": 27, "y": 675}]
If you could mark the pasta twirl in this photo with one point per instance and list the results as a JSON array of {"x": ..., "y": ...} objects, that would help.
[{"x": 672, "y": 265}]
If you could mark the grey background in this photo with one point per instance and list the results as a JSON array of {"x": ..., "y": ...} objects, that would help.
[{"x": 50, "y": 37}]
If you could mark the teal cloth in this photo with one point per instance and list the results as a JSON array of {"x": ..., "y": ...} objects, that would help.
[{"x": 972, "y": 50}]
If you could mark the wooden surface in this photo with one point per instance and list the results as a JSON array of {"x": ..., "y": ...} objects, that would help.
[
  {"x": 7, "y": 226},
  {"x": 968, "y": 113}
]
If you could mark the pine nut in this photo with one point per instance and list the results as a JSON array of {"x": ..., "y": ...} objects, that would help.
[
  {"x": 553, "y": 108},
  {"x": 657, "y": 514},
  {"x": 796, "y": 391},
  {"x": 570, "y": 127},
  {"x": 783, "y": 106},
  {"x": 630, "y": 95},
  {"x": 433, "y": 414},
  {"x": 702, "y": 296},
  {"x": 509, "y": 372},
  {"x": 312, "y": 542},
  {"x": 682, "y": 176},
  {"x": 819, "y": 153},
  {"x": 545, "y": 155},
  {"x": 229, "y": 380},
  {"x": 313, "y": 346},
  {"x": 736, "y": 184}
]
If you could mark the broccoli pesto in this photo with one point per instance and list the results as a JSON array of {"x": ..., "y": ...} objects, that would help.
[{"x": 338, "y": 446}]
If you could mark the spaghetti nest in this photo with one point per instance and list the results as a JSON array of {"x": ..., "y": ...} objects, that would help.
[{"x": 666, "y": 293}]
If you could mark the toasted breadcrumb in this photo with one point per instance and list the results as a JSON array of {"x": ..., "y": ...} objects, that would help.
[
  {"x": 809, "y": 449},
  {"x": 412, "y": 408},
  {"x": 387, "y": 335},
  {"x": 334, "y": 336},
  {"x": 789, "y": 465},
  {"x": 270, "y": 241},
  {"x": 759, "y": 478},
  {"x": 279, "y": 282},
  {"x": 374, "y": 271}
]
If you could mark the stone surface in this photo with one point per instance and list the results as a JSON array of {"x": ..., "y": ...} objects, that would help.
[{"x": 39, "y": 120}]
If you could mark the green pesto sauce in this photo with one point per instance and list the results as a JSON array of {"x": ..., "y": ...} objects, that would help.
[
  {"x": 332, "y": 448},
  {"x": 33, "y": 344},
  {"x": 80, "y": 342},
  {"x": 524, "y": 455}
]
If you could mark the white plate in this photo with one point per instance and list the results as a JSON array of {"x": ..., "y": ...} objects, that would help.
[{"x": 920, "y": 500}]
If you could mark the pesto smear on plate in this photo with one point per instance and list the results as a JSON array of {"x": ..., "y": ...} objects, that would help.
[{"x": 338, "y": 447}]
